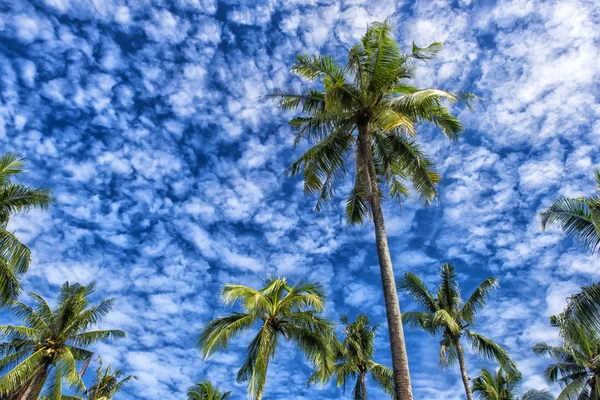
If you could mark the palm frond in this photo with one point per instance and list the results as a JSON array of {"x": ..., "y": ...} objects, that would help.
[
  {"x": 534, "y": 394},
  {"x": 426, "y": 53},
  {"x": 477, "y": 299},
  {"x": 383, "y": 377},
  {"x": 584, "y": 307},
  {"x": 323, "y": 165},
  {"x": 87, "y": 338},
  {"x": 19, "y": 198},
  {"x": 384, "y": 56},
  {"x": 15, "y": 253},
  {"x": 254, "y": 370},
  {"x": 11, "y": 164},
  {"x": 10, "y": 288},
  {"x": 491, "y": 350},
  {"x": 252, "y": 300},
  {"x": 412, "y": 285},
  {"x": 21, "y": 373},
  {"x": 575, "y": 219},
  {"x": 218, "y": 332}
]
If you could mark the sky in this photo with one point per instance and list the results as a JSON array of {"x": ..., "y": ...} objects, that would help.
[{"x": 144, "y": 118}]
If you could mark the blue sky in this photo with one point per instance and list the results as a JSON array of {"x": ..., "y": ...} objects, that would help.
[{"x": 144, "y": 118}]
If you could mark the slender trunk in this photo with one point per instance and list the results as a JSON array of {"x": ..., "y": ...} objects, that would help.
[
  {"x": 363, "y": 385},
  {"x": 392, "y": 305},
  {"x": 463, "y": 370},
  {"x": 32, "y": 389},
  {"x": 594, "y": 390}
]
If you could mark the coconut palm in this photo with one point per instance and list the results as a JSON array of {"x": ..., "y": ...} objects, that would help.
[
  {"x": 578, "y": 217},
  {"x": 206, "y": 391},
  {"x": 576, "y": 364},
  {"x": 366, "y": 114},
  {"x": 51, "y": 343},
  {"x": 107, "y": 383},
  {"x": 503, "y": 386},
  {"x": 15, "y": 257},
  {"x": 354, "y": 360},
  {"x": 447, "y": 315},
  {"x": 281, "y": 311}
]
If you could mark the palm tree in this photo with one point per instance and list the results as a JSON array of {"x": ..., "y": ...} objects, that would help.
[
  {"x": 354, "y": 358},
  {"x": 206, "y": 391},
  {"x": 15, "y": 257},
  {"x": 107, "y": 383},
  {"x": 576, "y": 364},
  {"x": 366, "y": 113},
  {"x": 503, "y": 386},
  {"x": 578, "y": 217},
  {"x": 446, "y": 314},
  {"x": 105, "y": 386},
  {"x": 51, "y": 341},
  {"x": 281, "y": 311}
]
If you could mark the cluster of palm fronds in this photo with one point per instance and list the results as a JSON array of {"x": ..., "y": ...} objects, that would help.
[{"x": 50, "y": 349}]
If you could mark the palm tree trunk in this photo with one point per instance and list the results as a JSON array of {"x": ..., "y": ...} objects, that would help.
[
  {"x": 32, "y": 389},
  {"x": 463, "y": 370},
  {"x": 363, "y": 385},
  {"x": 402, "y": 384}
]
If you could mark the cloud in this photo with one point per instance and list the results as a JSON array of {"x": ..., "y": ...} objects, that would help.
[{"x": 168, "y": 169}]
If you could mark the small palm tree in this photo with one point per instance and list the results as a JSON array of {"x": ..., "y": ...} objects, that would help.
[
  {"x": 51, "y": 341},
  {"x": 107, "y": 383},
  {"x": 105, "y": 386},
  {"x": 354, "y": 357},
  {"x": 366, "y": 114},
  {"x": 578, "y": 217},
  {"x": 281, "y": 311},
  {"x": 206, "y": 391},
  {"x": 15, "y": 257},
  {"x": 576, "y": 364},
  {"x": 503, "y": 386},
  {"x": 448, "y": 315}
]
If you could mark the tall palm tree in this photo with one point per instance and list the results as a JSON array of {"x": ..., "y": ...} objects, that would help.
[
  {"x": 281, "y": 311},
  {"x": 354, "y": 357},
  {"x": 15, "y": 257},
  {"x": 576, "y": 364},
  {"x": 578, "y": 217},
  {"x": 206, "y": 391},
  {"x": 51, "y": 342},
  {"x": 448, "y": 315},
  {"x": 503, "y": 386},
  {"x": 366, "y": 114}
]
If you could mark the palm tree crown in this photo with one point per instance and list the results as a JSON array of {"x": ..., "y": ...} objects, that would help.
[
  {"x": 371, "y": 89},
  {"x": 578, "y": 217},
  {"x": 447, "y": 314},
  {"x": 354, "y": 359},
  {"x": 107, "y": 383},
  {"x": 503, "y": 386},
  {"x": 363, "y": 120},
  {"x": 51, "y": 341},
  {"x": 281, "y": 311},
  {"x": 206, "y": 391},
  {"x": 15, "y": 257},
  {"x": 576, "y": 364}
]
